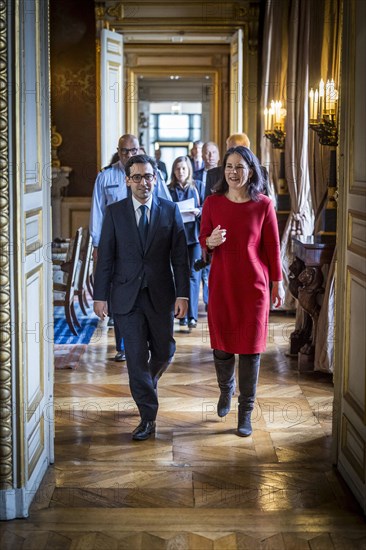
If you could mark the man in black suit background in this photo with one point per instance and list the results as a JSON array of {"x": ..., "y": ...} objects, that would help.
[
  {"x": 143, "y": 251},
  {"x": 216, "y": 174},
  {"x": 161, "y": 164}
]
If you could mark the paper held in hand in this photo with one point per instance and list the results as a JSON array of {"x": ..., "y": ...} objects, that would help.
[{"x": 186, "y": 209}]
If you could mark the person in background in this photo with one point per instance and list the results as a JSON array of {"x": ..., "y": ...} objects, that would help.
[
  {"x": 143, "y": 250},
  {"x": 215, "y": 174},
  {"x": 182, "y": 187},
  {"x": 110, "y": 186},
  {"x": 161, "y": 164},
  {"x": 211, "y": 158},
  {"x": 196, "y": 156},
  {"x": 239, "y": 229}
]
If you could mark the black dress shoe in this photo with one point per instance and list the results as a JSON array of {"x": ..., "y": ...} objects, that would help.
[
  {"x": 183, "y": 322},
  {"x": 143, "y": 430},
  {"x": 120, "y": 356},
  {"x": 192, "y": 323}
]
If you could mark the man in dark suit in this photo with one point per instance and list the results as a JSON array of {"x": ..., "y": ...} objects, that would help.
[
  {"x": 216, "y": 174},
  {"x": 196, "y": 156},
  {"x": 161, "y": 164},
  {"x": 211, "y": 158},
  {"x": 143, "y": 251}
]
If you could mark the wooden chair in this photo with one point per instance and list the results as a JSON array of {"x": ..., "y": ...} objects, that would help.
[
  {"x": 63, "y": 293},
  {"x": 82, "y": 286},
  {"x": 90, "y": 277}
]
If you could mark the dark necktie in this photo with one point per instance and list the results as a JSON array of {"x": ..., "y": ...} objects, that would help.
[{"x": 143, "y": 225}]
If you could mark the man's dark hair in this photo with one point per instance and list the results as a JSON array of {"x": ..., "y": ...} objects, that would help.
[
  {"x": 254, "y": 185},
  {"x": 140, "y": 159}
]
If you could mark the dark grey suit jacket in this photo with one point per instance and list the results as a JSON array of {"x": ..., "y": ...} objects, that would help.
[
  {"x": 216, "y": 174},
  {"x": 122, "y": 260},
  {"x": 213, "y": 176}
]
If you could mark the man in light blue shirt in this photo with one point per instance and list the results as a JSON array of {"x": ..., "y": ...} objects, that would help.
[{"x": 110, "y": 186}]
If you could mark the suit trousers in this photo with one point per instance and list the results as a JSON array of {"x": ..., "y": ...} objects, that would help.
[
  {"x": 117, "y": 333},
  {"x": 150, "y": 347}
]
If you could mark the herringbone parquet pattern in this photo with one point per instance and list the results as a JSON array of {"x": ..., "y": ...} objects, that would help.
[{"x": 195, "y": 485}]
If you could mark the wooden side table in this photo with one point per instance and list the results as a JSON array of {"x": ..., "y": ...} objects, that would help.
[{"x": 306, "y": 285}]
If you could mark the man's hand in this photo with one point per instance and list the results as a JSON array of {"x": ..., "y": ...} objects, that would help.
[
  {"x": 95, "y": 254},
  {"x": 180, "y": 308},
  {"x": 101, "y": 309}
]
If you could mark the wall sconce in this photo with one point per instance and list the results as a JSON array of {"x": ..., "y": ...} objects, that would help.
[
  {"x": 274, "y": 130},
  {"x": 323, "y": 105},
  {"x": 274, "y": 124}
]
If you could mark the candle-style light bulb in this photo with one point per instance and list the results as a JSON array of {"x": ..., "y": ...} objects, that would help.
[
  {"x": 321, "y": 88},
  {"x": 278, "y": 111},
  {"x": 270, "y": 118},
  {"x": 321, "y": 98},
  {"x": 332, "y": 95},
  {"x": 328, "y": 95},
  {"x": 316, "y": 103},
  {"x": 311, "y": 104}
]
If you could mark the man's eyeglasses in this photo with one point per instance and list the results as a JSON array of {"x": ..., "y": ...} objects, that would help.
[
  {"x": 125, "y": 151},
  {"x": 136, "y": 178}
]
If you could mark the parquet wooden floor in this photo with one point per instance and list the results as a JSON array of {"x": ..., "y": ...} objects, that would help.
[{"x": 196, "y": 485}]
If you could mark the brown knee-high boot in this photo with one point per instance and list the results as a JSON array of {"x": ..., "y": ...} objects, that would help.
[
  {"x": 248, "y": 378},
  {"x": 225, "y": 373}
]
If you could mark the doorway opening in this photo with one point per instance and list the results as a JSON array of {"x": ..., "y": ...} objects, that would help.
[{"x": 173, "y": 127}]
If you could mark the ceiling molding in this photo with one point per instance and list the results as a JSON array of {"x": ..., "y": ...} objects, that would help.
[{"x": 164, "y": 21}]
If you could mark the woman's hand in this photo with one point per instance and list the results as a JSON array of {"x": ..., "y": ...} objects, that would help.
[
  {"x": 278, "y": 294},
  {"x": 217, "y": 237},
  {"x": 196, "y": 212}
]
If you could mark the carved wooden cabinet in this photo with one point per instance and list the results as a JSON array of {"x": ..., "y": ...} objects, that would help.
[{"x": 307, "y": 286}]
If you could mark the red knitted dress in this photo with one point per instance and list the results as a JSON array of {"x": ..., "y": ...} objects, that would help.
[{"x": 241, "y": 269}]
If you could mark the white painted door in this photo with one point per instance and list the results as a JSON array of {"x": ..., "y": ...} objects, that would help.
[
  {"x": 30, "y": 266},
  {"x": 236, "y": 83},
  {"x": 350, "y": 410},
  {"x": 111, "y": 86}
]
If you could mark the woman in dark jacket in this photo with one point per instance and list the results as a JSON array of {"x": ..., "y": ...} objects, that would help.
[{"x": 182, "y": 187}]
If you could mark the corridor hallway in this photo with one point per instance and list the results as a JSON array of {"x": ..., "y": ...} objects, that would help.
[{"x": 196, "y": 485}]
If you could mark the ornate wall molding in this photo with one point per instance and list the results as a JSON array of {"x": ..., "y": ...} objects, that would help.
[
  {"x": 176, "y": 17},
  {"x": 6, "y": 443}
]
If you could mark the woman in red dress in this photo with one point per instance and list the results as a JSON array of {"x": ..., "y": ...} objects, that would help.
[{"x": 239, "y": 229}]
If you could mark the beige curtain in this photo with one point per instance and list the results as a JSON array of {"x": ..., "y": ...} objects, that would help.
[
  {"x": 325, "y": 33},
  {"x": 274, "y": 66},
  {"x": 324, "y": 48},
  {"x": 324, "y": 348},
  {"x": 301, "y": 45},
  {"x": 285, "y": 76}
]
